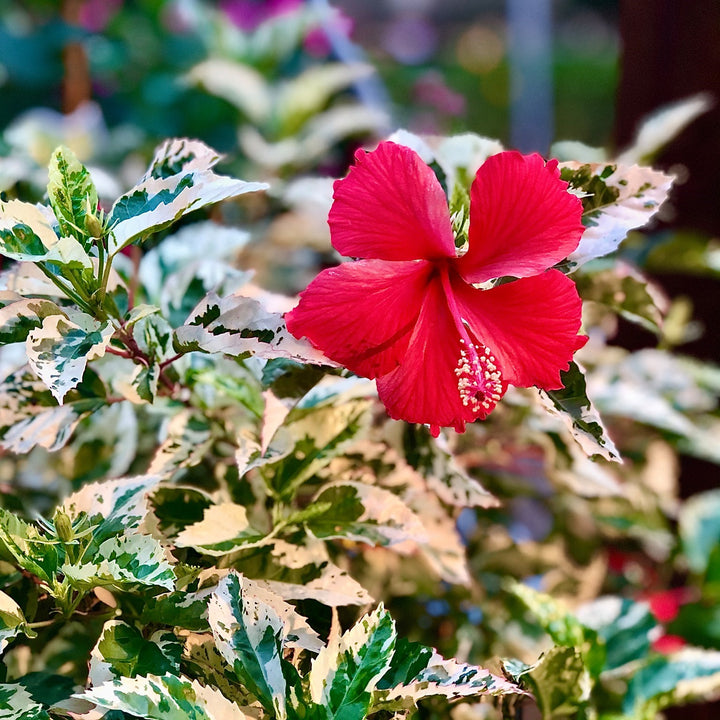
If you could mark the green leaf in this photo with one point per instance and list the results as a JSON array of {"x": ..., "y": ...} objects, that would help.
[
  {"x": 559, "y": 682},
  {"x": 27, "y": 546},
  {"x": 616, "y": 199},
  {"x": 367, "y": 514},
  {"x": 72, "y": 195},
  {"x": 249, "y": 635},
  {"x": 624, "y": 626},
  {"x": 59, "y": 350},
  {"x": 179, "y": 180},
  {"x": 345, "y": 673},
  {"x": 686, "y": 676},
  {"x": 572, "y": 405},
  {"x": 17, "y": 704},
  {"x": 166, "y": 697},
  {"x": 121, "y": 650},
  {"x": 699, "y": 526},
  {"x": 237, "y": 326}
]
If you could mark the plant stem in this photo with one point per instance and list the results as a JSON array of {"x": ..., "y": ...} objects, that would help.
[{"x": 66, "y": 290}]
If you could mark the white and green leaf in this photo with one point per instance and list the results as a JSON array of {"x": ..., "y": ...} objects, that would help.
[
  {"x": 127, "y": 562},
  {"x": 345, "y": 672},
  {"x": 616, "y": 199},
  {"x": 365, "y": 513},
  {"x": 179, "y": 180},
  {"x": 12, "y": 621},
  {"x": 72, "y": 196},
  {"x": 59, "y": 350},
  {"x": 249, "y": 635},
  {"x": 224, "y": 528},
  {"x": 572, "y": 405},
  {"x": 16, "y": 703},
  {"x": 238, "y": 326},
  {"x": 164, "y": 697}
]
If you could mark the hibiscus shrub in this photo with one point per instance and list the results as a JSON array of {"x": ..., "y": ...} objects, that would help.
[{"x": 216, "y": 514}]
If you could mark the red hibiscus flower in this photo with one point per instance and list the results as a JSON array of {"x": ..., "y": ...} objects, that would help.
[{"x": 408, "y": 313}]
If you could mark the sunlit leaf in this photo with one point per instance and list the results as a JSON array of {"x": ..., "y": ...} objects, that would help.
[
  {"x": 572, "y": 405},
  {"x": 12, "y": 620},
  {"x": 122, "y": 651},
  {"x": 59, "y": 350},
  {"x": 249, "y": 635},
  {"x": 224, "y": 528},
  {"x": 345, "y": 673},
  {"x": 166, "y": 697},
  {"x": 616, "y": 199},
  {"x": 417, "y": 671},
  {"x": 16, "y": 703},
  {"x": 179, "y": 180},
  {"x": 238, "y": 325},
  {"x": 72, "y": 196}
]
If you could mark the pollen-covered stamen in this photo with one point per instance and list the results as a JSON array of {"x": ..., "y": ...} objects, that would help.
[{"x": 479, "y": 380}]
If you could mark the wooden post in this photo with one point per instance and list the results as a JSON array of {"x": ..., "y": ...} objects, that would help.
[{"x": 76, "y": 85}]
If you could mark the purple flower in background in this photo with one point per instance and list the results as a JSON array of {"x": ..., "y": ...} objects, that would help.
[
  {"x": 248, "y": 14},
  {"x": 96, "y": 14}
]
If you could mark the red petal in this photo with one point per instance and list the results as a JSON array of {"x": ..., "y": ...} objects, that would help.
[
  {"x": 391, "y": 207},
  {"x": 361, "y": 314},
  {"x": 522, "y": 219},
  {"x": 430, "y": 385},
  {"x": 530, "y": 325}
]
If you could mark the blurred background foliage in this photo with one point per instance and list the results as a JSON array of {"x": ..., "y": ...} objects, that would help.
[{"x": 113, "y": 78}]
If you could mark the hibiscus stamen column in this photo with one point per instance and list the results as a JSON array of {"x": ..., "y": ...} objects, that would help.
[{"x": 479, "y": 380}]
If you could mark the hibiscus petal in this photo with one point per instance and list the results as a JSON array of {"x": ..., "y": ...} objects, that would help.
[
  {"x": 391, "y": 207},
  {"x": 522, "y": 219},
  {"x": 431, "y": 384},
  {"x": 361, "y": 314},
  {"x": 530, "y": 325}
]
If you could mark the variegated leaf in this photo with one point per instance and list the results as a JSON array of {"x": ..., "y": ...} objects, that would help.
[
  {"x": 73, "y": 197},
  {"x": 122, "y": 651},
  {"x": 121, "y": 504},
  {"x": 16, "y": 703},
  {"x": 367, "y": 514},
  {"x": 25, "y": 231},
  {"x": 12, "y": 620},
  {"x": 19, "y": 315},
  {"x": 25, "y": 544},
  {"x": 128, "y": 562},
  {"x": 249, "y": 635},
  {"x": 417, "y": 671},
  {"x": 684, "y": 677},
  {"x": 572, "y": 405},
  {"x": 616, "y": 199},
  {"x": 165, "y": 697},
  {"x": 59, "y": 350},
  {"x": 345, "y": 672},
  {"x": 237, "y": 325},
  {"x": 223, "y": 529},
  {"x": 179, "y": 180},
  {"x": 188, "y": 439}
]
